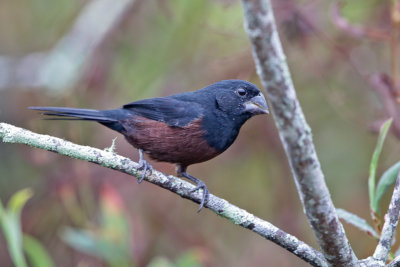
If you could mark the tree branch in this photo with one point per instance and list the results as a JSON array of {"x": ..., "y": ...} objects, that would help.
[
  {"x": 389, "y": 228},
  {"x": 12, "y": 134},
  {"x": 295, "y": 133},
  {"x": 395, "y": 262},
  {"x": 357, "y": 31}
]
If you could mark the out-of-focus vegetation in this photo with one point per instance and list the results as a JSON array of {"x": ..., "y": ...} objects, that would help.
[
  {"x": 86, "y": 215},
  {"x": 17, "y": 242}
]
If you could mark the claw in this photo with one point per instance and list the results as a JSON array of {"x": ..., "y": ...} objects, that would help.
[
  {"x": 206, "y": 193},
  {"x": 144, "y": 166},
  {"x": 199, "y": 185}
]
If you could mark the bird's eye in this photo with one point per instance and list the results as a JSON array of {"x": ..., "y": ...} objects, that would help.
[{"x": 241, "y": 92}]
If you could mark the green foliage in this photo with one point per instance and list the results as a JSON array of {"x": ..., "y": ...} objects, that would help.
[
  {"x": 17, "y": 243},
  {"x": 357, "y": 221},
  {"x": 97, "y": 245},
  {"x": 374, "y": 163},
  {"x": 110, "y": 241},
  {"x": 188, "y": 259},
  {"x": 36, "y": 253},
  {"x": 387, "y": 179},
  {"x": 11, "y": 226}
]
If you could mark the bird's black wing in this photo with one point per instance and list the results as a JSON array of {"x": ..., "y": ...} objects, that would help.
[{"x": 173, "y": 112}]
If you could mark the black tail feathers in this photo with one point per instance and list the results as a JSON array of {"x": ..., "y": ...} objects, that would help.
[
  {"x": 109, "y": 118},
  {"x": 83, "y": 114}
]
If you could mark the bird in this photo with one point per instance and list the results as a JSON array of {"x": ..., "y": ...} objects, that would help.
[{"x": 183, "y": 129}]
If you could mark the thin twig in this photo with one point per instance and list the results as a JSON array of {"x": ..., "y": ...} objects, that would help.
[
  {"x": 357, "y": 31},
  {"x": 394, "y": 45},
  {"x": 383, "y": 85},
  {"x": 295, "y": 133},
  {"x": 395, "y": 262},
  {"x": 12, "y": 134},
  {"x": 389, "y": 227}
]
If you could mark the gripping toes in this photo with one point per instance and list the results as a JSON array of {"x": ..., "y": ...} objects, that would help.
[
  {"x": 144, "y": 166},
  {"x": 206, "y": 193}
]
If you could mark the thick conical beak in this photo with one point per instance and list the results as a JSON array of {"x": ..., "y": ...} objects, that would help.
[{"x": 257, "y": 105}]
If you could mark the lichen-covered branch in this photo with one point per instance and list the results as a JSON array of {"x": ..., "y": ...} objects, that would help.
[
  {"x": 395, "y": 262},
  {"x": 389, "y": 228},
  {"x": 295, "y": 133},
  {"x": 12, "y": 134}
]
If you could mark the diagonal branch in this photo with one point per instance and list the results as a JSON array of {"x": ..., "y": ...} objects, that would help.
[
  {"x": 12, "y": 134},
  {"x": 389, "y": 228},
  {"x": 395, "y": 262},
  {"x": 295, "y": 133}
]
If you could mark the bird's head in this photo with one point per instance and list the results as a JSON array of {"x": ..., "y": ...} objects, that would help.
[{"x": 239, "y": 98}]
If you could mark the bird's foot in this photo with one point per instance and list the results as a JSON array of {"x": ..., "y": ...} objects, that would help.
[
  {"x": 144, "y": 166},
  {"x": 199, "y": 185},
  {"x": 206, "y": 193}
]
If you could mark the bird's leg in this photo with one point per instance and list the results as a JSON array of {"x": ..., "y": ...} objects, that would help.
[
  {"x": 144, "y": 166},
  {"x": 181, "y": 172}
]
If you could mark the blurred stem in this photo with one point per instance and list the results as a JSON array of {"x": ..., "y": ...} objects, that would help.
[
  {"x": 60, "y": 68},
  {"x": 389, "y": 228},
  {"x": 295, "y": 133},
  {"x": 238, "y": 216},
  {"x": 394, "y": 45}
]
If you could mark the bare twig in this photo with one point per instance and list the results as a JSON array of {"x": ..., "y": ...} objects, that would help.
[
  {"x": 394, "y": 45},
  {"x": 383, "y": 84},
  {"x": 357, "y": 31},
  {"x": 389, "y": 227},
  {"x": 12, "y": 134},
  {"x": 295, "y": 133}
]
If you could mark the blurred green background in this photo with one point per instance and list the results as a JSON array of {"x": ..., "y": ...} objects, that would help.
[{"x": 86, "y": 215}]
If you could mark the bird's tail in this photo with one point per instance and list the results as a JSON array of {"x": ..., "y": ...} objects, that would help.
[{"x": 109, "y": 118}]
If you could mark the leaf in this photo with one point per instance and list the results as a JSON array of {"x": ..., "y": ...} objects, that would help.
[
  {"x": 114, "y": 224},
  {"x": 84, "y": 241},
  {"x": 11, "y": 225},
  {"x": 36, "y": 253},
  {"x": 12, "y": 232},
  {"x": 387, "y": 179},
  {"x": 18, "y": 200},
  {"x": 189, "y": 259},
  {"x": 90, "y": 243},
  {"x": 110, "y": 241},
  {"x": 160, "y": 262},
  {"x": 374, "y": 162},
  {"x": 2, "y": 211},
  {"x": 357, "y": 221}
]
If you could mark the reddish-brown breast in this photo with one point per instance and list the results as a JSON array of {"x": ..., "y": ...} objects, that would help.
[{"x": 184, "y": 145}]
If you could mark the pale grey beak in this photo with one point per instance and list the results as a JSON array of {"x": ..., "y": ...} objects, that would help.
[{"x": 257, "y": 105}]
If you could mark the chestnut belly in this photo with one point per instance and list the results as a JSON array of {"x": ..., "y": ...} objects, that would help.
[{"x": 184, "y": 145}]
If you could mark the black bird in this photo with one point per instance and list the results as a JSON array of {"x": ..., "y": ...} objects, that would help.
[{"x": 184, "y": 129}]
